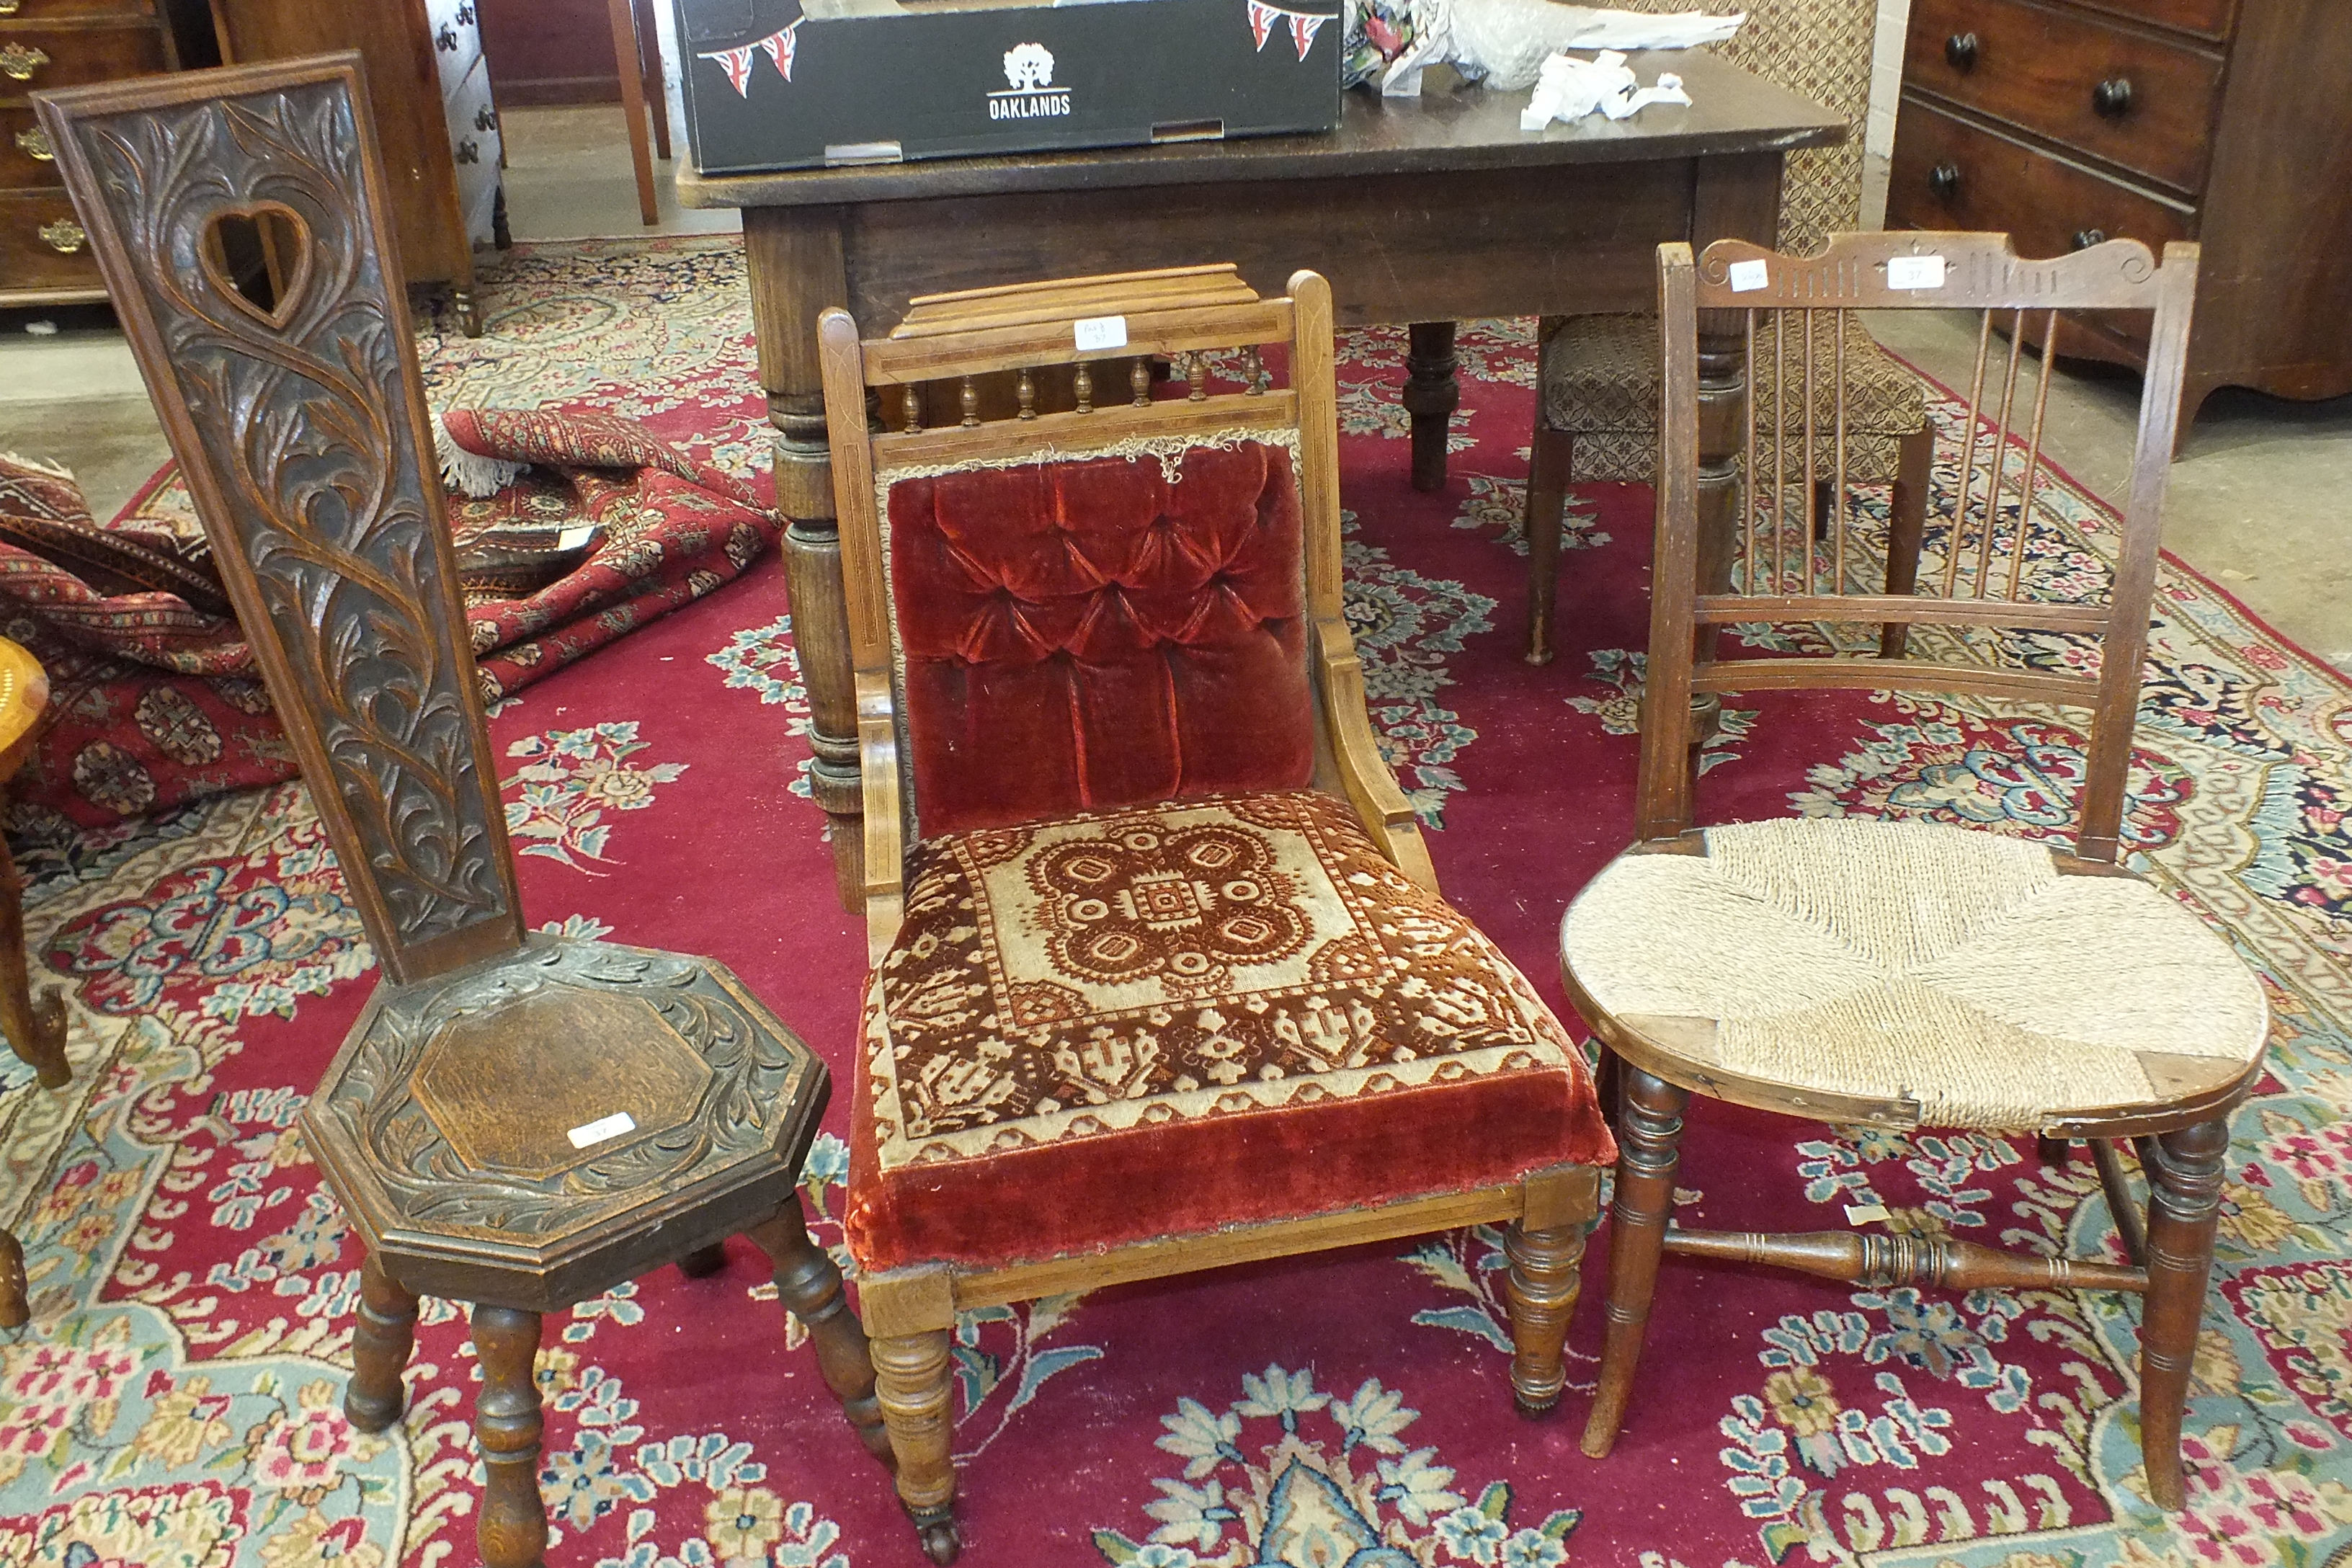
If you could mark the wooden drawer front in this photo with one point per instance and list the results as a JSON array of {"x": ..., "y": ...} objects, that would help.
[
  {"x": 474, "y": 151},
  {"x": 25, "y": 157},
  {"x": 457, "y": 39},
  {"x": 2008, "y": 187},
  {"x": 67, "y": 56},
  {"x": 2121, "y": 95},
  {"x": 30, "y": 258},
  {"x": 2209, "y": 17},
  {"x": 43, "y": 10}
]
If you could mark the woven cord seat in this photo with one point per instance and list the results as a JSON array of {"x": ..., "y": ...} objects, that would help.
[{"x": 1955, "y": 974}]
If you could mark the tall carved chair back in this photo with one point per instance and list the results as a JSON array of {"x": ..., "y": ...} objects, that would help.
[
  {"x": 1161, "y": 978},
  {"x": 1897, "y": 974},
  {"x": 519, "y": 1121}
]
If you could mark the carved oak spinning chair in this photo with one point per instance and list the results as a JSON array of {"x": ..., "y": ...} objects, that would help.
[
  {"x": 1597, "y": 376},
  {"x": 516, "y": 1120},
  {"x": 1162, "y": 977},
  {"x": 1903, "y": 974}
]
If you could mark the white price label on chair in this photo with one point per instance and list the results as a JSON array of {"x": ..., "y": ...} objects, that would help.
[
  {"x": 1914, "y": 272},
  {"x": 603, "y": 1129},
  {"x": 1095, "y": 333},
  {"x": 1747, "y": 277}
]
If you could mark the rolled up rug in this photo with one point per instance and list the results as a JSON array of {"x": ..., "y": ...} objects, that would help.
[{"x": 587, "y": 527}]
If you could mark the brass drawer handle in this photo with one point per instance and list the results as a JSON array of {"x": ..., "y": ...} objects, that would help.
[
  {"x": 10, "y": 7},
  {"x": 20, "y": 62},
  {"x": 1944, "y": 179},
  {"x": 1960, "y": 51},
  {"x": 484, "y": 120},
  {"x": 65, "y": 237},
  {"x": 468, "y": 151},
  {"x": 35, "y": 144},
  {"x": 2112, "y": 98}
]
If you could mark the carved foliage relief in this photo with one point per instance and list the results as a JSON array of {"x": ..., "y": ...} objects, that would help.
[{"x": 301, "y": 413}]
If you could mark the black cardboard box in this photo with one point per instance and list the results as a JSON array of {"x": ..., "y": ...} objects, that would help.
[{"x": 771, "y": 85}]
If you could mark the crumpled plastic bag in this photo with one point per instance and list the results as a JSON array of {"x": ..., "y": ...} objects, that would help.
[
  {"x": 1570, "y": 89},
  {"x": 1502, "y": 43}
]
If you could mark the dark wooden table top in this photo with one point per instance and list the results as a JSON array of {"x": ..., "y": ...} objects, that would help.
[{"x": 1441, "y": 132}]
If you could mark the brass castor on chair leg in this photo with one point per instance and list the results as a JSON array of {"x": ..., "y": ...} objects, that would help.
[
  {"x": 1534, "y": 1412},
  {"x": 936, "y": 1529},
  {"x": 704, "y": 1261}
]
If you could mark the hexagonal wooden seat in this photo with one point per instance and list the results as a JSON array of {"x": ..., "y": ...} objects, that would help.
[
  {"x": 516, "y": 1121},
  {"x": 519, "y": 1112}
]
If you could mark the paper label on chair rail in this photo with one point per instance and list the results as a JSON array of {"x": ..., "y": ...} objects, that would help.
[
  {"x": 1747, "y": 277},
  {"x": 573, "y": 538},
  {"x": 1914, "y": 272},
  {"x": 1100, "y": 332},
  {"x": 603, "y": 1129}
]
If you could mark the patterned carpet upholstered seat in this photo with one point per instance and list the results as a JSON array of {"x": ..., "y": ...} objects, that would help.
[
  {"x": 1848, "y": 955},
  {"x": 1600, "y": 382},
  {"x": 1240, "y": 988}
]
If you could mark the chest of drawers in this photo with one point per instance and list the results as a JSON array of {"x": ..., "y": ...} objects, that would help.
[
  {"x": 45, "y": 257},
  {"x": 435, "y": 123},
  {"x": 2226, "y": 121}
]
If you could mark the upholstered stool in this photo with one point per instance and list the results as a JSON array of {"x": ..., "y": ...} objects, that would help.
[{"x": 1598, "y": 379}]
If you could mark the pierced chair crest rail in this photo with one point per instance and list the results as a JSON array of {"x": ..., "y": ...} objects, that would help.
[
  {"x": 1162, "y": 977},
  {"x": 516, "y": 1119},
  {"x": 1896, "y": 974}
]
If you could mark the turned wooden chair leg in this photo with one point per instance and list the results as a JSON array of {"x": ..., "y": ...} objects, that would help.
[
  {"x": 1541, "y": 1290},
  {"x": 2052, "y": 1151},
  {"x": 37, "y": 1030},
  {"x": 1649, "y": 1134},
  {"x": 16, "y": 1311},
  {"x": 1548, "y": 469},
  {"x": 380, "y": 1346},
  {"x": 912, "y": 1376},
  {"x": 2184, "y": 1204},
  {"x": 809, "y": 1286},
  {"x": 1907, "y": 524},
  {"x": 512, "y": 1529}
]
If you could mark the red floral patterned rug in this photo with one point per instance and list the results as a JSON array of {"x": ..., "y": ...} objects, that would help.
[{"x": 176, "y": 1399}]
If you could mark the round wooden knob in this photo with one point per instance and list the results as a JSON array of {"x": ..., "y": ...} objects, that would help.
[
  {"x": 2112, "y": 98},
  {"x": 1960, "y": 51},
  {"x": 1944, "y": 179}
]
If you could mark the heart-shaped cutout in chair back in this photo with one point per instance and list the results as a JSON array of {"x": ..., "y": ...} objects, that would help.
[{"x": 258, "y": 256}]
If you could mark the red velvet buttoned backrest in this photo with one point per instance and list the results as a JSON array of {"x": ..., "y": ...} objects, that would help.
[{"x": 1103, "y": 632}]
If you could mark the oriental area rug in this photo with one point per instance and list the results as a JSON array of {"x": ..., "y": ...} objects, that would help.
[{"x": 177, "y": 1398}]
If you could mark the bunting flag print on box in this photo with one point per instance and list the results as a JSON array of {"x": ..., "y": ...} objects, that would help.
[{"x": 882, "y": 81}]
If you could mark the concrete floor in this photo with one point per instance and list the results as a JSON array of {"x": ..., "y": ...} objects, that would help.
[{"x": 2260, "y": 497}]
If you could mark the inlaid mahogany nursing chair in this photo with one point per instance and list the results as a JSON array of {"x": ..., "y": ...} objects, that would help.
[
  {"x": 1896, "y": 974},
  {"x": 1162, "y": 977},
  {"x": 1597, "y": 376},
  {"x": 516, "y": 1120},
  {"x": 35, "y": 1028}
]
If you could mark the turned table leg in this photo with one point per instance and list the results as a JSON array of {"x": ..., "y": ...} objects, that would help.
[
  {"x": 797, "y": 272},
  {"x": 37, "y": 1029},
  {"x": 16, "y": 1311},
  {"x": 1430, "y": 395},
  {"x": 512, "y": 1529},
  {"x": 380, "y": 1346}
]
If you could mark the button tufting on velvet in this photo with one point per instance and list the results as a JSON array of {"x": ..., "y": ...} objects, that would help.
[{"x": 1084, "y": 632}]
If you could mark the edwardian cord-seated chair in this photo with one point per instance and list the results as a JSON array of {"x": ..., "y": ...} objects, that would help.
[
  {"x": 516, "y": 1120},
  {"x": 1597, "y": 376},
  {"x": 1162, "y": 977},
  {"x": 1901, "y": 974}
]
